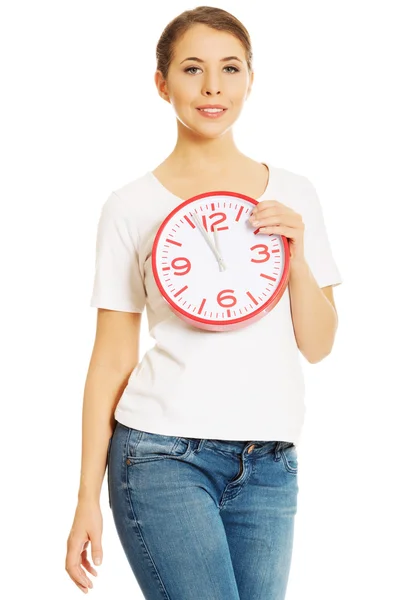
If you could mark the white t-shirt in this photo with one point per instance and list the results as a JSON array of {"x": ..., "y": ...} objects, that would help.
[{"x": 185, "y": 384}]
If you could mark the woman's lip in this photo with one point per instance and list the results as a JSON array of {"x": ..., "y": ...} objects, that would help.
[{"x": 212, "y": 115}]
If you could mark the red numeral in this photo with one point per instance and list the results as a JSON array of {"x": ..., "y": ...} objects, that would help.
[
  {"x": 222, "y": 219},
  {"x": 228, "y": 297},
  {"x": 187, "y": 265},
  {"x": 264, "y": 251},
  {"x": 213, "y": 225}
]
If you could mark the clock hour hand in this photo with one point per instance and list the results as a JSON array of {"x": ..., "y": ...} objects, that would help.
[
  {"x": 220, "y": 260},
  {"x": 222, "y": 264}
]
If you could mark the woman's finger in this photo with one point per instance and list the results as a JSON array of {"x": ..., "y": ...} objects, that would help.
[
  {"x": 72, "y": 563},
  {"x": 287, "y": 220},
  {"x": 279, "y": 230},
  {"x": 84, "y": 579},
  {"x": 87, "y": 565}
]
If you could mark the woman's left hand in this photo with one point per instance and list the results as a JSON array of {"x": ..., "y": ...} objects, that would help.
[{"x": 272, "y": 217}]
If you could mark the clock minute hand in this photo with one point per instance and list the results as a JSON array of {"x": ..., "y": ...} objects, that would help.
[
  {"x": 218, "y": 249},
  {"x": 218, "y": 256}
]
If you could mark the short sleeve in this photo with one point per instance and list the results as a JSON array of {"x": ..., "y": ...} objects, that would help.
[
  {"x": 118, "y": 283},
  {"x": 317, "y": 248}
]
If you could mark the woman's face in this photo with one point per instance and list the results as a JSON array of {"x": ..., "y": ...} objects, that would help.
[{"x": 192, "y": 83}]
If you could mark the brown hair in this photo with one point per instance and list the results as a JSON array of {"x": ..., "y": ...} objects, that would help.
[{"x": 216, "y": 18}]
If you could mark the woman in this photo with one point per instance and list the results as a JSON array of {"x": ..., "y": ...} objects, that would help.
[{"x": 202, "y": 460}]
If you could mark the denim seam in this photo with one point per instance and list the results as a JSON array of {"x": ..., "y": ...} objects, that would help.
[
  {"x": 235, "y": 486},
  {"x": 288, "y": 468},
  {"x": 143, "y": 459},
  {"x": 128, "y": 438},
  {"x": 188, "y": 450},
  {"x": 167, "y": 596},
  {"x": 189, "y": 518}
]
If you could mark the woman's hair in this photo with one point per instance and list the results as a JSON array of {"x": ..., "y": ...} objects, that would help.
[{"x": 216, "y": 18}]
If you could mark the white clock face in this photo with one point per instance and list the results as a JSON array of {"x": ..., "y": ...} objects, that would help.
[{"x": 216, "y": 270}]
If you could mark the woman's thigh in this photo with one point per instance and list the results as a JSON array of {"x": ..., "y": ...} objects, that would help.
[
  {"x": 258, "y": 511},
  {"x": 203, "y": 518}
]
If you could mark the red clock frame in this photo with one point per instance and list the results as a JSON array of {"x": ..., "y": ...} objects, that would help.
[{"x": 225, "y": 324}]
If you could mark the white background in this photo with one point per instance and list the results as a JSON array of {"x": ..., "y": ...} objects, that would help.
[{"x": 81, "y": 117}]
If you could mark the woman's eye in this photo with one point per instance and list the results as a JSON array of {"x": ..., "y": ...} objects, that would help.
[
  {"x": 236, "y": 70},
  {"x": 190, "y": 68},
  {"x": 231, "y": 67}
]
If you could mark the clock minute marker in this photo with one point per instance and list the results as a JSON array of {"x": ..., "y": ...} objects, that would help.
[
  {"x": 252, "y": 298},
  {"x": 192, "y": 225},
  {"x": 201, "y": 306},
  {"x": 173, "y": 242},
  {"x": 267, "y": 277},
  {"x": 180, "y": 291},
  {"x": 239, "y": 214}
]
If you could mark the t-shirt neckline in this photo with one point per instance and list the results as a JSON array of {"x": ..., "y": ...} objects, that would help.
[{"x": 178, "y": 198}]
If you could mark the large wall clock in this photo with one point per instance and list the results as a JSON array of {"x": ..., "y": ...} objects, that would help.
[{"x": 215, "y": 269}]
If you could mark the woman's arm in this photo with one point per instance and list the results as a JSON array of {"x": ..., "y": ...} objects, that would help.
[
  {"x": 313, "y": 309},
  {"x": 313, "y": 313},
  {"x": 115, "y": 355}
]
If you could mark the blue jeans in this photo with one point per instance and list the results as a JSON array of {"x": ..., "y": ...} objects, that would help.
[{"x": 204, "y": 519}]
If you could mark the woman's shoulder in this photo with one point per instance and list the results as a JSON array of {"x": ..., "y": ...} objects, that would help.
[
  {"x": 134, "y": 187},
  {"x": 287, "y": 175}
]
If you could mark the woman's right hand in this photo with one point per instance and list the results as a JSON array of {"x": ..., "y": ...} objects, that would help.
[{"x": 87, "y": 526}]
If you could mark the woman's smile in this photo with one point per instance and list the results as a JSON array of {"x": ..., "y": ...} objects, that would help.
[{"x": 214, "y": 114}]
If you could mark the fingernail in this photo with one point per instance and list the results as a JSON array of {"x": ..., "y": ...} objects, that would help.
[{"x": 97, "y": 561}]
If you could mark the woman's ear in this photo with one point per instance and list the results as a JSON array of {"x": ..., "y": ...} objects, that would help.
[{"x": 161, "y": 85}]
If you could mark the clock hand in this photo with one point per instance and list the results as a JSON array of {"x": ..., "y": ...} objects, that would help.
[
  {"x": 207, "y": 238},
  {"x": 219, "y": 258},
  {"x": 222, "y": 264}
]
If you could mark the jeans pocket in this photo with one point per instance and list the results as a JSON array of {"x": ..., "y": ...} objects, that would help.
[
  {"x": 289, "y": 457},
  {"x": 144, "y": 446}
]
